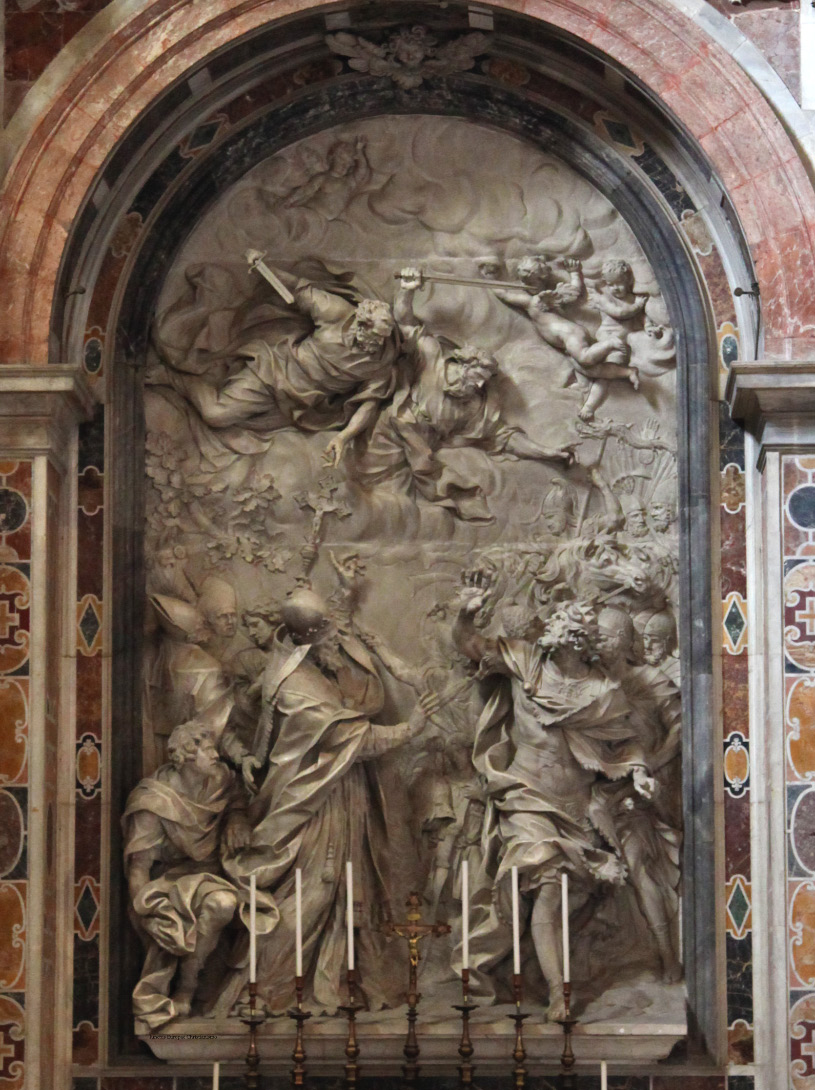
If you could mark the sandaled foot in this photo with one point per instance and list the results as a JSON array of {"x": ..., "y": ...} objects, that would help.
[{"x": 182, "y": 1004}]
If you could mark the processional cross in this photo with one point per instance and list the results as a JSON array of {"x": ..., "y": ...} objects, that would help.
[
  {"x": 413, "y": 930},
  {"x": 323, "y": 502}
]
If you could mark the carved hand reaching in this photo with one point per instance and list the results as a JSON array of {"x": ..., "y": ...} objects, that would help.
[
  {"x": 237, "y": 833},
  {"x": 248, "y": 766},
  {"x": 644, "y": 784},
  {"x": 411, "y": 278},
  {"x": 425, "y": 708},
  {"x": 474, "y": 594},
  {"x": 332, "y": 455},
  {"x": 349, "y": 568}
]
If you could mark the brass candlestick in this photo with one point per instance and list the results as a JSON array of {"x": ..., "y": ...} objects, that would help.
[
  {"x": 518, "y": 1052},
  {"x": 413, "y": 930},
  {"x": 351, "y": 1046},
  {"x": 465, "y": 1048},
  {"x": 298, "y": 1072},
  {"x": 568, "y": 1078},
  {"x": 253, "y": 1016}
]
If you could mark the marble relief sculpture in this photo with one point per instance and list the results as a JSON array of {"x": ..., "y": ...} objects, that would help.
[
  {"x": 412, "y": 576},
  {"x": 178, "y": 823}
]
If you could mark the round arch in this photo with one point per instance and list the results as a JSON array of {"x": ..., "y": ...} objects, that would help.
[{"x": 131, "y": 54}]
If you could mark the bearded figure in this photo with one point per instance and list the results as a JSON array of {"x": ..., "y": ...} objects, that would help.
[
  {"x": 555, "y": 726},
  {"x": 325, "y": 364},
  {"x": 451, "y": 402}
]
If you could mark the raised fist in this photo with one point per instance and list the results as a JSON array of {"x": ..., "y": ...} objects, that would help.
[{"x": 411, "y": 278}]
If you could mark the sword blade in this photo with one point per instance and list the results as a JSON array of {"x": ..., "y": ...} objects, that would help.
[
  {"x": 471, "y": 281},
  {"x": 268, "y": 275}
]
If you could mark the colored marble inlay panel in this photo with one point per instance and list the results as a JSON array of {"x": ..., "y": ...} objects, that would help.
[
  {"x": 798, "y": 481},
  {"x": 15, "y": 603},
  {"x": 736, "y": 746},
  {"x": 89, "y": 637}
]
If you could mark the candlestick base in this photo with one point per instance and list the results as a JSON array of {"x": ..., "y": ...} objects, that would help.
[
  {"x": 350, "y": 1009},
  {"x": 298, "y": 1071},
  {"x": 568, "y": 1077},
  {"x": 253, "y": 1015},
  {"x": 519, "y": 1052},
  {"x": 465, "y": 1048}
]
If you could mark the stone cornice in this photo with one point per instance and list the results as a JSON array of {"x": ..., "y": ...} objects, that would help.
[
  {"x": 40, "y": 406},
  {"x": 775, "y": 401}
]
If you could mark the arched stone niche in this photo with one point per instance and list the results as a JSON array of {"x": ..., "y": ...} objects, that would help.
[
  {"x": 654, "y": 238},
  {"x": 180, "y": 158}
]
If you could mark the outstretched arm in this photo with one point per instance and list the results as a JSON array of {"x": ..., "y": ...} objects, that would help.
[
  {"x": 362, "y": 419},
  {"x": 302, "y": 193},
  {"x": 522, "y": 446},
  {"x": 381, "y": 738},
  {"x": 618, "y": 308},
  {"x": 466, "y": 637},
  {"x": 515, "y": 297},
  {"x": 410, "y": 280},
  {"x": 362, "y": 168},
  {"x": 571, "y": 290},
  {"x": 393, "y": 663}
]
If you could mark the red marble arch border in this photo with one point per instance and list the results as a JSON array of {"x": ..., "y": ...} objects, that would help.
[{"x": 130, "y": 53}]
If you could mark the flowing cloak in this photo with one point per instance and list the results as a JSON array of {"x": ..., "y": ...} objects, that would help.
[
  {"x": 648, "y": 830},
  {"x": 189, "y": 683},
  {"x": 166, "y": 909},
  {"x": 300, "y": 368},
  {"x": 423, "y": 419},
  {"x": 535, "y": 820},
  {"x": 319, "y": 805}
]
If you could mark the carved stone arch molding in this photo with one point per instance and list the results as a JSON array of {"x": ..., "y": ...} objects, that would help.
[{"x": 264, "y": 92}]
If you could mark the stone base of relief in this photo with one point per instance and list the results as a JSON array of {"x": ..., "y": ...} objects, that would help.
[
  {"x": 634, "y": 1024},
  {"x": 412, "y": 555}
]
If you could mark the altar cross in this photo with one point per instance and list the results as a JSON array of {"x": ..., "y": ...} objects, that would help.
[{"x": 413, "y": 930}]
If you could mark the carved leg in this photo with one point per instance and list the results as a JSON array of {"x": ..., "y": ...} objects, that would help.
[
  {"x": 597, "y": 395},
  {"x": 671, "y": 968},
  {"x": 216, "y": 913},
  {"x": 546, "y": 934},
  {"x": 652, "y": 903}
]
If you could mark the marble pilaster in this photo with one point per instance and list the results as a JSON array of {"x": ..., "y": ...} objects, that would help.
[
  {"x": 776, "y": 403},
  {"x": 40, "y": 408}
]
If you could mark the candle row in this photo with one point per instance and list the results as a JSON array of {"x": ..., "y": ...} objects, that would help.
[
  {"x": 516, "y": 921},
  {"x": 298, "y": 921},
  {"x": 465, "y": 921},
  {"x": 465, "y": 931}
]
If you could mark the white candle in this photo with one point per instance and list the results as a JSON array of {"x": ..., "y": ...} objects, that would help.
[
  {"x": 216, "y": 1074},
  {"x": 603, "y": 1075},
  {"x": 253, "y": 953},
  {"x": 465, "y": 915},
  {"x": 564, "y": 905},
  {"x": 349, "y": 913},
  {"x": 298, "y": 922},
  {"x": 516, "y": 926}
]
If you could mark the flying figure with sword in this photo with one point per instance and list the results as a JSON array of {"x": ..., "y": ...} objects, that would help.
[
  {"x": 450, "y": 402},
  {"x": 330, "y": 366}
]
